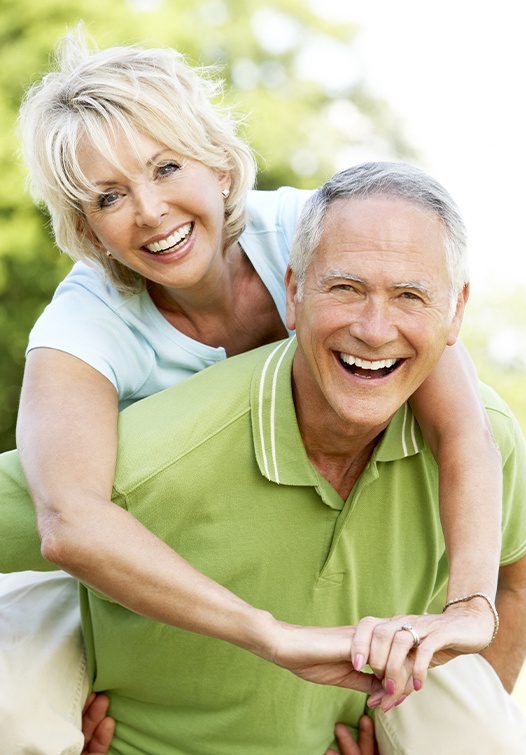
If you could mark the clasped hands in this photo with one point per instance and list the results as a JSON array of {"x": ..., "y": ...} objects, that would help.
[{"x": 339, "y": 655}]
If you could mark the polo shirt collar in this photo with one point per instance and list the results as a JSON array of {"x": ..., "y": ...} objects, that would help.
[{"x": 278, "y": 446}]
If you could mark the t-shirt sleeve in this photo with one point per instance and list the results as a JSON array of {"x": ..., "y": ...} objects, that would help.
[
  {"x": 86, "y": 319},
  {"x": 510, "y": 440},
  {"x": 20, "y": 549}
]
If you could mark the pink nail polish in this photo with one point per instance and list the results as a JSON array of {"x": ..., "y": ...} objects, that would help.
[
  {"x": 390, "y": 687},
  {"x": 358, "y": 662},
  {"x": 417, "y": 684}
]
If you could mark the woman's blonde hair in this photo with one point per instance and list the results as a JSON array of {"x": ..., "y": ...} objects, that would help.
[{"x": 95, "y": 95}]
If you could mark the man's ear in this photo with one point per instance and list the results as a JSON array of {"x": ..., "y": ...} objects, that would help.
[
  {"x": 291, "y": 290},
  {"x": 462, "y": 300}
]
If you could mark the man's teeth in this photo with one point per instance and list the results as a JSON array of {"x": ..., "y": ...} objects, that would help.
[
  {"x": 380, "y": 364},
  {"x": 167, "y": 243}
]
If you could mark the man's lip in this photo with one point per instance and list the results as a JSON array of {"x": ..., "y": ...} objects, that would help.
[
  {"x": 368, "y": 363},
  {"x": 368, "y": 368}
]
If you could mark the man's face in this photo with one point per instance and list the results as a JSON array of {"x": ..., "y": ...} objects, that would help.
[{"x": 374, "y": 317}]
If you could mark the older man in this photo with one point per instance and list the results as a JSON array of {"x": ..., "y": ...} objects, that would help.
[{"x": 308, "y": 490}]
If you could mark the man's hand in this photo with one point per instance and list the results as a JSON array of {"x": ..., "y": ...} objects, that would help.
[
  {"x": 366, "y": 739},
  {"x": 97, "y": 727}
]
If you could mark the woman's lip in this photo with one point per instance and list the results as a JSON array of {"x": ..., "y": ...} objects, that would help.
[
  {"x": 163, "y": 236},
  {"x": 176, "y": 253}
]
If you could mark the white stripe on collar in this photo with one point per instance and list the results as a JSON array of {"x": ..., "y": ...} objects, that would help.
[
  {"x": 412, "y": 432},
  {"x": 272, "y": 424}
]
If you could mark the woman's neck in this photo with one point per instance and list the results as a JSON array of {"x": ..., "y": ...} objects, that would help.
[{"x": 233, "y": 310}]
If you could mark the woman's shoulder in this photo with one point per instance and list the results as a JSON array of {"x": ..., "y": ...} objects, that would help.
[{"x": 278, "y": 209}]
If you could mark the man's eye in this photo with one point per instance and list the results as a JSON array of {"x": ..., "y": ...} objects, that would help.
[
  {"x": 343, "y": 287},
  {"x": 411, "y": 296}
]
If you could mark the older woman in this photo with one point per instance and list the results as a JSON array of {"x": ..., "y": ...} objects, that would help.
[{"x": 181, "y": 265}]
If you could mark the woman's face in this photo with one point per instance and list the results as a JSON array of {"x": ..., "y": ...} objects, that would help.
[{"x": 163, "y": 217}]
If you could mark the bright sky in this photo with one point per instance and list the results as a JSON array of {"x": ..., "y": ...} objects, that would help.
[{"x": 455, "y": 73}]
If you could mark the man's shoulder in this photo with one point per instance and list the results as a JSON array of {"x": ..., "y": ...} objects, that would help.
[
  {"x": 506, "y": 428},
  {"x": 162, "y": 428}
]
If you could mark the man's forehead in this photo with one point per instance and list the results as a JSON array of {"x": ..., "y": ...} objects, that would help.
[{"x": 380, "y": 223}]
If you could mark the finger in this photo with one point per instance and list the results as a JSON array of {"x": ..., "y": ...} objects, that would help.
[
  {"x": 361, "y": 641},
  {"x": 423, "y": 656},
  {"x": 384, "y": 636},
  {"x": 88, "y": 702},
  {"x": 102, "y": 736},
  {"x": 366, "y": 737},
  {"x": 346, "y": 742},
  {"x": 399, "y": 667},
  {"x": 95, "y": 710}
]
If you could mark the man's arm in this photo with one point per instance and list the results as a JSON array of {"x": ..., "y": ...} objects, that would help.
[{"x": 508, "y": 651}]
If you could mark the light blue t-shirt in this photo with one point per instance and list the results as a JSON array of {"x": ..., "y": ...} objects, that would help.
[{"x": 125, "y": 337}]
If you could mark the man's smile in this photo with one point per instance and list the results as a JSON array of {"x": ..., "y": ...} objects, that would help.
[{"x": 368, "y": 369}]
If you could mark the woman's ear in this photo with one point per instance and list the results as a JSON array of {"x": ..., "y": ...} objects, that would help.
[{"x": 225, "y": 180}]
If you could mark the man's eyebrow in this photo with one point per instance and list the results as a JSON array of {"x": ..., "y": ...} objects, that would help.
[
  {"x": 336, "y": 274},
  {"x": 414, "y": 286}
]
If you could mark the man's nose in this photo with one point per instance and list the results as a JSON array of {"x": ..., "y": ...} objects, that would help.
[
  {"x": 374, "y": 324},
  {"x": 150, "y": 207}
]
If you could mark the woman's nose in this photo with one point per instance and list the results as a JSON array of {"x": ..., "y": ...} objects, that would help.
[{"x": 150, "y": 208}]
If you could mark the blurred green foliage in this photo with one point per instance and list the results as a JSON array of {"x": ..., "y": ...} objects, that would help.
[
  {"x": 296, "y": 124},
  {"x": 305, "y": 116}
]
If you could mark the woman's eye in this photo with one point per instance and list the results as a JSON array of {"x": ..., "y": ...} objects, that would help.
[
  {"x": 168, "y": 168},
  {"x": 105, "y": 200}
]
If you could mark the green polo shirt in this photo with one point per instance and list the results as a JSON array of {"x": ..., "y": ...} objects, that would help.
[{"x": 215, "y": 467}]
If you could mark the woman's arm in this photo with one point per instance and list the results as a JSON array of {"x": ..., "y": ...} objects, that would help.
[
  {"x": 67, "y": 445},
  {"x": 67, "y": 441},
  {"x": 450, "y": 411}
]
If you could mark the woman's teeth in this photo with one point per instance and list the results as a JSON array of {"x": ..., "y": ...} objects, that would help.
[{"x": 181, "y": 234}]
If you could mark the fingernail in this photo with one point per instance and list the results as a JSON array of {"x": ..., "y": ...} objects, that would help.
[
  {"x": 380, "y": 677},
  {"x": 373, "y": 704},
  {"x": 390, "y": 687},
  {"x": 388, "y": 708},
  {"x": 358, "y": 662},
  {"x": 417, "y": 685},
  {"x": 401, "y": 700}
]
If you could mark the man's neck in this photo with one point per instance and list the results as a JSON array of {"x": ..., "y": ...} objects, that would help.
[
  {"x": 341, "y": 470},
  {"x": 337, "y": 450}
]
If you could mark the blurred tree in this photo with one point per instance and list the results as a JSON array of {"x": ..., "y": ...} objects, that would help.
[
  {"x": 494, "y": 331},
  {"x": 290, "y": 71}
]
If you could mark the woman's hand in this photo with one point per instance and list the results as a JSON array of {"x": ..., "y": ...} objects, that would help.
[{"x": 389, "y": 651}]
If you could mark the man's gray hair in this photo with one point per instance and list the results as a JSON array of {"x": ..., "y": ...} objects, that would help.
[{"x": 387, "y": 179}]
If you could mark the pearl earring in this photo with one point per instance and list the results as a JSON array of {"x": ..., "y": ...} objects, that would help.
[
  {"x": 225, "y": 193},
  {"x": 108, "y": 254}
]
